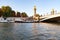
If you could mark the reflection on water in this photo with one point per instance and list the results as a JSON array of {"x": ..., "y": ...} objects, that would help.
[
  {"x": 34, "y": 29},
  {"x": 29, "y": 31}
]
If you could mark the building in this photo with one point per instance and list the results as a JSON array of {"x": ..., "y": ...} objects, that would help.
[{"x": 35, "y": 17}]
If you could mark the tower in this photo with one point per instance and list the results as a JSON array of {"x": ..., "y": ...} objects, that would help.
[
  {"x": 52, "y": 12},
  {"x": 34, "y": 10}
]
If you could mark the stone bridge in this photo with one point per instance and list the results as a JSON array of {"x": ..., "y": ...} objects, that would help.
[{"x": 50, "y": 18}]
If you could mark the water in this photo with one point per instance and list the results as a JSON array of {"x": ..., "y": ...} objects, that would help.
[{"x": 29, "y": 31}]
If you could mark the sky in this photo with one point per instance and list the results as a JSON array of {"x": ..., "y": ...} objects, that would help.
[{"x": 43, "y": 6}]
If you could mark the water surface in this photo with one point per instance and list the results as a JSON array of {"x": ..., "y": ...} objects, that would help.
[{"x": 29, "y": 31}]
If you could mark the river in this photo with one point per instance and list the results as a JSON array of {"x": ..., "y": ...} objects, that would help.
[{"x": 29, "y": 31}]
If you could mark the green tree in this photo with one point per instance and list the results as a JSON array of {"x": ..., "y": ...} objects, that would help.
[
  {"x": 13, "y": 14},
  {"x": 37, "y": 15},
  {"x": 1, "y": 12},
  {"x": 6, "y": 11},
  {"x": 24, "y": 14},
  {"x": 18, "y": 14}
]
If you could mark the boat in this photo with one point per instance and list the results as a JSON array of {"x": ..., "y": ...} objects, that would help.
[{"x": 7, "y": 19}]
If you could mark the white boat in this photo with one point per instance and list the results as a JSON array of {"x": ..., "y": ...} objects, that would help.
[
  {"x": 7, "y": 19},
  {"x": 18, "y": 20}
]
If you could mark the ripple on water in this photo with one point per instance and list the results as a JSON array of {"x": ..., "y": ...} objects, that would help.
[{"x": 27, "y": 31}]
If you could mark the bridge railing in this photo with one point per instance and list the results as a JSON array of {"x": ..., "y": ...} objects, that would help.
[{"x": 49, "y": 17}]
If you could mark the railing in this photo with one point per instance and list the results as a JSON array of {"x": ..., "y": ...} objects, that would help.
[{"x": 49, "y": 17}]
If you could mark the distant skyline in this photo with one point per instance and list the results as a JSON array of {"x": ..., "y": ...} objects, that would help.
[{"x": 43, "y": 6}]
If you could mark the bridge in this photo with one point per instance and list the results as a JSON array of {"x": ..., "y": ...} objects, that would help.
[
  {"x": 50, "y": 18},
  {"x": 53, "y": 17}
]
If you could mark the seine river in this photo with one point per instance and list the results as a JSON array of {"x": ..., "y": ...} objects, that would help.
[{"x": 29, "y": 31}]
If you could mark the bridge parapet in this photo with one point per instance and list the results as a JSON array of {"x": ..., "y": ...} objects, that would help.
[{"x": 49, "y": 17}]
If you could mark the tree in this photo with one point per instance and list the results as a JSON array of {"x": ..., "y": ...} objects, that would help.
[
  {"x": 18, "y": 14},
  {"x": 6, "y": 11},
  {"x": 13, "y": 14},
  {"x": 1, "y": 12},
  {"x": 37, "y": 15},
  {"x": 24, "y": 14}
]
